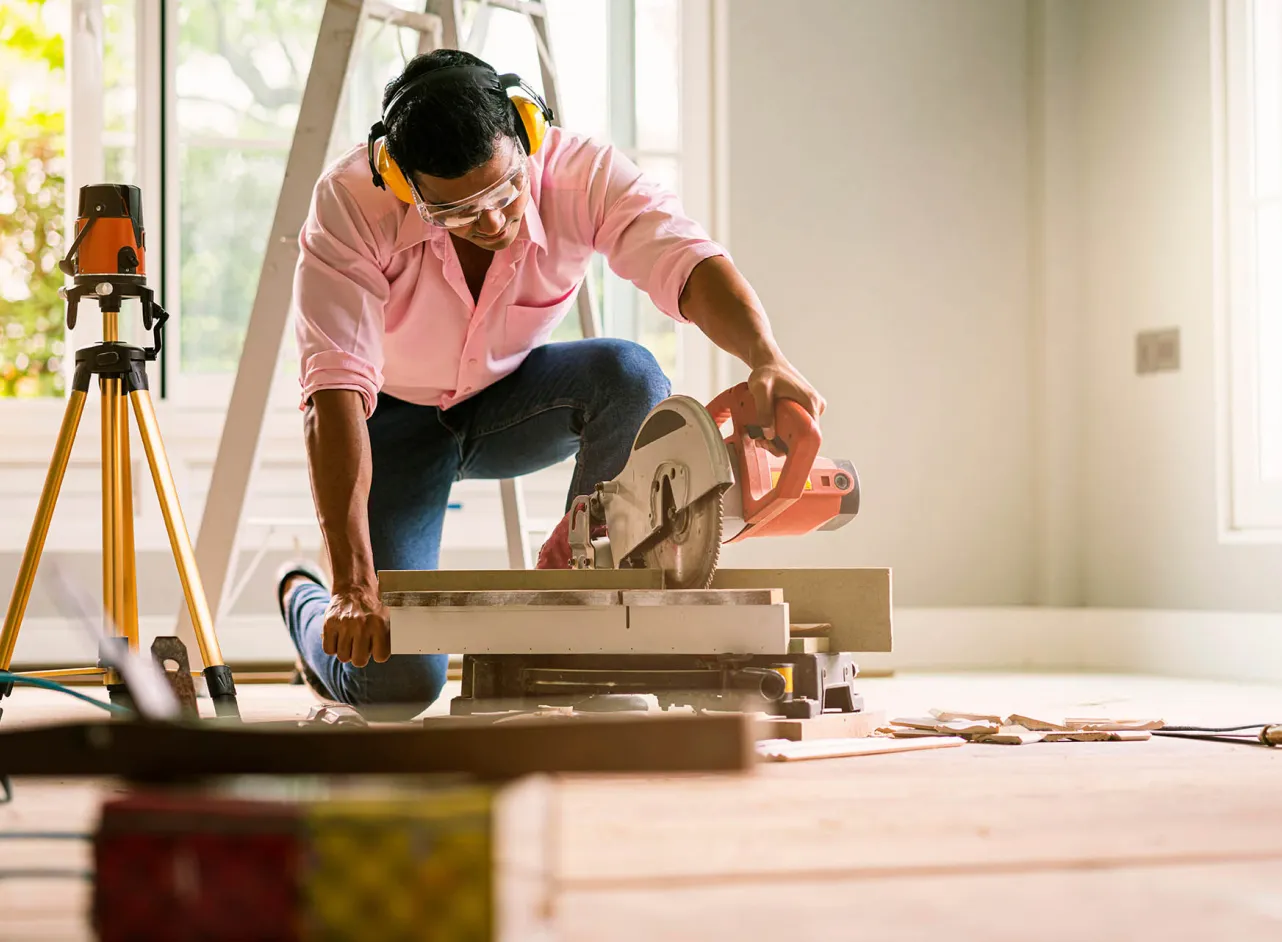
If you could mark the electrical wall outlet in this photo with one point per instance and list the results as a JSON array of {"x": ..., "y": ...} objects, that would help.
[{"x": 1157, "y": 350}]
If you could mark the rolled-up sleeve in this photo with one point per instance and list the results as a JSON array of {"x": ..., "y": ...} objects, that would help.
[
  {"x": 339, "y": 296},
  {"x": 642, "y": 230}
]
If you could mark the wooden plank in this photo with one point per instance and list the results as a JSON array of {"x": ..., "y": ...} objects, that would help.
[
  {"x": 856, "y": 602},
  {"x": 495, "y": 580},
  {"x": 821, "y": 630},
  {"x": 616, "y": 743},
  {"x": 784, "y": 750},
  {"x": 824, "y": 726}
]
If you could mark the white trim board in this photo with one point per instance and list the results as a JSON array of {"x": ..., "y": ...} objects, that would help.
[
  {"x": 1209, "y": 645},
  {"x": 1232, "y": 646}
]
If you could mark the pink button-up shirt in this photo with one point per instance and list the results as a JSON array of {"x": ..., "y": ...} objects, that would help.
[{"x": 381, "y": 302}]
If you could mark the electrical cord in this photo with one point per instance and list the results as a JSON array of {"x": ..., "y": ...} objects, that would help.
[
  {"x": 8, "y": 677},
  {"x": 1269, "y": 734}
]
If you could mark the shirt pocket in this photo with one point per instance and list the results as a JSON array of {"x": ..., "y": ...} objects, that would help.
[{"x": 528, "y": 325}]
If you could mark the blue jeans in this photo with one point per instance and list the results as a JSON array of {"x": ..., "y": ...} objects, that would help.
[{"x": 585, "y": 398}]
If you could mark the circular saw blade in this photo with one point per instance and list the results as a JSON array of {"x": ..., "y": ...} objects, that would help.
[{"x": 688, "y": 556}]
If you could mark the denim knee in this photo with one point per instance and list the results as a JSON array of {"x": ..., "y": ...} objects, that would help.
[
  {"x": 400, "y": 688},
  {"x": 635, "y": 381}
]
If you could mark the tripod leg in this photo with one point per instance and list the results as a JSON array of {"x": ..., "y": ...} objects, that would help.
[
  {"x": 127, "y": 581},
  {"x": 40, "y": 526},
  {"x": 217, "y": 674},
  {"x": 110, "y": 388}
]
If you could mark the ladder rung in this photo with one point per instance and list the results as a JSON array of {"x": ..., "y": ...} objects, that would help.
[
  {"x": 524, "y": 7},
  {"x": 397, "y": 16}
]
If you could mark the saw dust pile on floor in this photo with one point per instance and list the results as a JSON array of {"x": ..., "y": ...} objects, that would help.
[{"x": 1151, "y": 839}]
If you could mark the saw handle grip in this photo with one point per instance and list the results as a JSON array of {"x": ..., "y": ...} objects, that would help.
[{"x": 796, "y": 434}]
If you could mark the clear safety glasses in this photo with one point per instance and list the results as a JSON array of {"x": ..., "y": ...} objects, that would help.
[{"x": 464, "y": 213}]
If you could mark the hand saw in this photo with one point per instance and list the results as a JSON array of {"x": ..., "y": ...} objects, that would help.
[{"x": 685, "y": 489}]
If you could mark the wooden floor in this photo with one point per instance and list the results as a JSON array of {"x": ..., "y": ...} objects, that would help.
[{"x": 1152, "y": 840}]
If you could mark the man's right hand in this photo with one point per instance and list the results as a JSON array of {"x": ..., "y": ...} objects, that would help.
[{"x": 356, "y": 627}]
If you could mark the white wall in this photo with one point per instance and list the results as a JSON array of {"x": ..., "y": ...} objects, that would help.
[
  {"x": 879, "y": 204},
  {"x": 1149, "y": 497}
]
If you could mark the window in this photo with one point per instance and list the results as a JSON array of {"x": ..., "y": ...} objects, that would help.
[
  {"x": 197, "y": 100},
  {"x": 1253, "y": 231},
  {"x": 33, "y": 171}
]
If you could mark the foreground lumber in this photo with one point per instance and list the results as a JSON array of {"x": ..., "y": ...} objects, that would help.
[
  {"x": 611, "y": 743},
  {"x": 286, "y": 858}
]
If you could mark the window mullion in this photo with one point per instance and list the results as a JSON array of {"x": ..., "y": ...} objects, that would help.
[
  {"x": 169, "y": 161},
  {"x": 84, "y": 144},
  {"x": 621, "y": 28},
  {"x": 149, "y": 104}
]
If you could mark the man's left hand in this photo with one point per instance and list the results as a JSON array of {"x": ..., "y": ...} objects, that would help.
[{"x": 775, "y": 379}]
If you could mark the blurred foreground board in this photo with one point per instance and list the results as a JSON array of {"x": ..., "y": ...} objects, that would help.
[
  {"x": 608, "y": 743},
  {"x": 279, "y": 858}
]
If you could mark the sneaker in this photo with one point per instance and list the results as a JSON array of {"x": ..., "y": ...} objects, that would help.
[{"x": 302, "y": 673}]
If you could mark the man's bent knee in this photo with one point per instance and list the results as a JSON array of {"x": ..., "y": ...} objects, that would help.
[
  {"x": 631, "y": 375},
  {"x": 400, "y": 688}
]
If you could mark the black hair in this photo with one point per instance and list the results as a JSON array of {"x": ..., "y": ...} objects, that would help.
[{"x": 448, "y": 129}]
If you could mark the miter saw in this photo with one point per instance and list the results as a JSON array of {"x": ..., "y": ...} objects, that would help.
[{"x": 685, "y": 489}]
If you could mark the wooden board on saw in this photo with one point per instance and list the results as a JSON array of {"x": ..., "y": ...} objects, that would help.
[
  {"x": 855, "y": 602},
  {"x": 588, "y": 621},
  {"x": 504, "y": 580}
]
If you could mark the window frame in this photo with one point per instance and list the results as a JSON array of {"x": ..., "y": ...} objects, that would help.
[
  {"x": 156, "y": 133},
  {"x": 1250, "y": 505}
]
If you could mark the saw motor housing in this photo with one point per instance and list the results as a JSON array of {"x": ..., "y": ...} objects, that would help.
[
  {"x": 761, "y": 487},
  {"x": 790, "y": 490}
]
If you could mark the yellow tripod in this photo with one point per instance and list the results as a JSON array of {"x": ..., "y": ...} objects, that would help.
[{"x": 115, "y": 215}]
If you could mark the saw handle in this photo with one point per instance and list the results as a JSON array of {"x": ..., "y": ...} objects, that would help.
[{"x": 796, "y": 434}]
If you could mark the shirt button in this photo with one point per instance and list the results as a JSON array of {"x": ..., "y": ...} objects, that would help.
[{"x": 472, "y": 362}]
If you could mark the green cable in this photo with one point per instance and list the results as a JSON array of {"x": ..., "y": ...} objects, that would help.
[{"x": 8, "y": 677}]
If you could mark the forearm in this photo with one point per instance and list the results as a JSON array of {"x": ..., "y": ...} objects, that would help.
[
  {"x": 338, "y": 461},
  {"x": 719, "y": 301}
]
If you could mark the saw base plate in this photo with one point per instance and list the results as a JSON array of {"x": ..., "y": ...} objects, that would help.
[{"x": 496, "y": 683}]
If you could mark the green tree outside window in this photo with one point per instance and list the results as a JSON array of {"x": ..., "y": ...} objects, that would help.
[{"x": 32, "y": 180}]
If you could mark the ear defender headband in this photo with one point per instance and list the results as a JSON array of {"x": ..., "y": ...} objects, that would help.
[{"x": 533, "y": 117}]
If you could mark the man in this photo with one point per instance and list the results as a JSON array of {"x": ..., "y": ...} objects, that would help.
[{"x": 421, "y": 331}]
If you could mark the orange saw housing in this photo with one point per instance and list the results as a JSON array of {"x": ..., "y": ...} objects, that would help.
[{"x": 793, "y": 493}]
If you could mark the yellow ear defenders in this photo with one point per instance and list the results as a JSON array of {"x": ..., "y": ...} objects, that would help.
[{"x": 533, "y": 117}]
